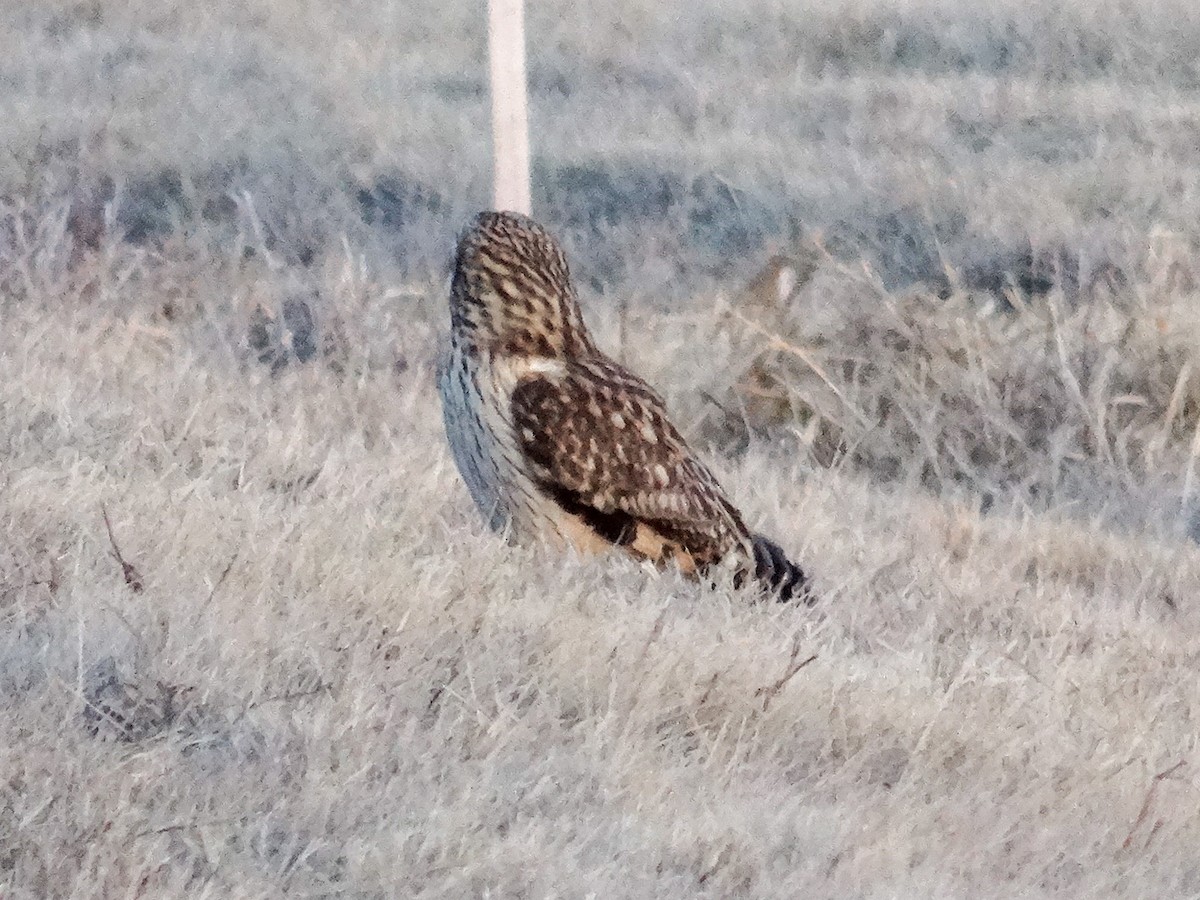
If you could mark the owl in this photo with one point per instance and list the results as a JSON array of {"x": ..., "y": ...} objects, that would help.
[{"x": 556, "y": 441}]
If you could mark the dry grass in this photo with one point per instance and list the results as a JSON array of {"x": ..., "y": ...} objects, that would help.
[{"x": 219, "y": 306}]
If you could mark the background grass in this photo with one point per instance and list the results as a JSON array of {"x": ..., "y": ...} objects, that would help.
[{"x": 224, "y": 231}]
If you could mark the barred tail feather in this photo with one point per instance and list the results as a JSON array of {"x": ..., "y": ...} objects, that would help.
[{"x": 778, "y": 574}]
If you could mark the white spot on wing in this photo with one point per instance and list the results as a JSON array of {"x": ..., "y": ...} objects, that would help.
[
  {"x": 541, "y": 365},
  {"x": 617, "y": 419},
  {"x": 660, "y": 472}
]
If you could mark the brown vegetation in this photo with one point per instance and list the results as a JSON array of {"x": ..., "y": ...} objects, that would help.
[{"x": 253, "y": 642}]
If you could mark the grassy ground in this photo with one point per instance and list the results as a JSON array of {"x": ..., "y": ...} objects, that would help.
[{"x": 223, "y": 237}]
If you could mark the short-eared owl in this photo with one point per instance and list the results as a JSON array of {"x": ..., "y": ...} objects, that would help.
[{"x": 556, "y": 440}]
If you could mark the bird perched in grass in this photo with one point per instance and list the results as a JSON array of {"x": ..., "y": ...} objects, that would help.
[{"x": 557, "y": 441}]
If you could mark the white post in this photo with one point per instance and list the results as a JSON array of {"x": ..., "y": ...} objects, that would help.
[{"x": 510, "y": 117}]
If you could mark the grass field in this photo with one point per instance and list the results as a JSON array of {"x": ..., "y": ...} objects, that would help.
[{"x": 224, "y": 232}]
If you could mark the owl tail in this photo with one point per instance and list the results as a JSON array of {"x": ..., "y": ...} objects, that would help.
[{"x": 778, "y": 574}]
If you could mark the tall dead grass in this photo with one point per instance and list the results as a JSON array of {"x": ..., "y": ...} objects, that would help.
[{"x": 972, "y": 416}]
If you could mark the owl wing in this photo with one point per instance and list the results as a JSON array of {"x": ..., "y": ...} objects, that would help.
[{"x": 598, "y": 442}]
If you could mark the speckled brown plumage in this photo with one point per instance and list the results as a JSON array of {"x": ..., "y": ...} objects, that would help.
[{"x": 556, "y": 440}]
